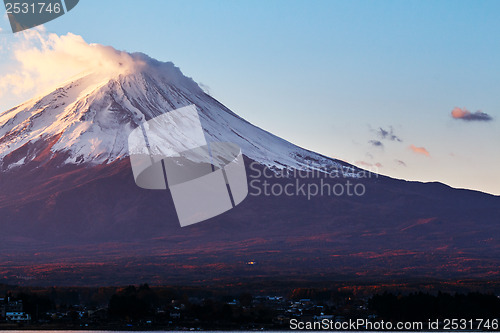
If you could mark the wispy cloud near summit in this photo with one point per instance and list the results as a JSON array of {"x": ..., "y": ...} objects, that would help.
[{"x": 43, "y": 60}]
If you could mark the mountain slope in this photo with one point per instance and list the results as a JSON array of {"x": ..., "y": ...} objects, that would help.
[{"x": 72, "y": 214}]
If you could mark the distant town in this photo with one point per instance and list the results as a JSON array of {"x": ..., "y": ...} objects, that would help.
[{"x": 188, "y": 308}]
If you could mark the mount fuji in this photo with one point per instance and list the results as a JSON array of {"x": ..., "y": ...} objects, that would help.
[
  {"x": 91, "y": 116},
  {"x": 71, "y": 213}
]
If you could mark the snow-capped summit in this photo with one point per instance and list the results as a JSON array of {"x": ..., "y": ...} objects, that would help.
[{"x": 90, "y": 117}]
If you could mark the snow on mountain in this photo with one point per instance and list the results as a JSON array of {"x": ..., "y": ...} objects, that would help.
[{"x": 90, "y": 117}]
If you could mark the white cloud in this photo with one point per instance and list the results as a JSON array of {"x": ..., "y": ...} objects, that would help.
[{"x": 43, "y": 60}]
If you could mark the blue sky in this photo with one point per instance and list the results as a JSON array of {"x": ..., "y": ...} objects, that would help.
[{"x": 327, "y": 75}]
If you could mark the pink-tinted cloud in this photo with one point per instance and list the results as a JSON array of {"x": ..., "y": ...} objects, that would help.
[
  {"x": 464, "y": 114},
  {"x": 369, "y": 165},
  {"x": 420, "y": 150}
]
